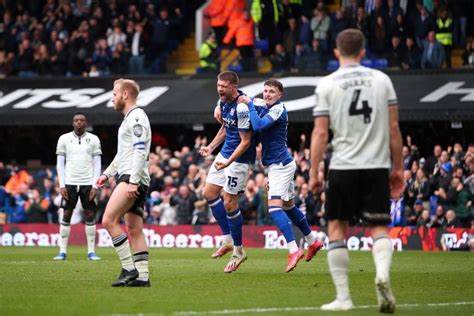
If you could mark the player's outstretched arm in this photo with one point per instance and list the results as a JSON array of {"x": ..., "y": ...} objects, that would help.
[
  {"x": 319, "y": 140},
  {"x": 396, "y": 175},
  {"x": 218, "y": 139},
  {"x": 258, "y": 123}
]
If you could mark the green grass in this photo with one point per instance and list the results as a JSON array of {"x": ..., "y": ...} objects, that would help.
[{"x": 185, "y": 280}]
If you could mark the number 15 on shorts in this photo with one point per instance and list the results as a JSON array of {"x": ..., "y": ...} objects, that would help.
[{"x": 231, "y": 182}]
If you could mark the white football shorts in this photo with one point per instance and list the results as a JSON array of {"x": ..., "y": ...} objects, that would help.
[
  {"x": 233, "y": 178},
  {"x": 281, "y": 181}
]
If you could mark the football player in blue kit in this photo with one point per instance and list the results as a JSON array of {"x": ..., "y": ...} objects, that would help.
[
  {"x": 269, "y": 117},
  {"x": 230, "y": 168}
]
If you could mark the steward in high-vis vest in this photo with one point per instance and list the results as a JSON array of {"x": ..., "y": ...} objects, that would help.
[
  {"x": 218, "y": 15},
  {"x": 208, "y": 55},
  {"x": 444, "y": 34},
  {"x": 243, "y": 31}
]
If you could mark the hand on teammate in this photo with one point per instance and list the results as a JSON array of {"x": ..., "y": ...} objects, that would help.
[{"x": 243, "y": 99}]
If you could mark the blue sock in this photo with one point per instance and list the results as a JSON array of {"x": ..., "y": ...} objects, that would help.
[
  {"x": 298, "y": 218},
  {"x": 235, "y": 223},
  {"x": 283, "y": 222},
  {"x": 219, "y": 213}
]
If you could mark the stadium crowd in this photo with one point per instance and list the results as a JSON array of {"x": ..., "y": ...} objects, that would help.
[
  {"x": 97, "y": 38},
  {"x": 89, "y": 38},
  {"x": 439, "y": 189}
]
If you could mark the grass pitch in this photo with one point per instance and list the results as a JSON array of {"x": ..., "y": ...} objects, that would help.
[{"x": 188, "y": 282}]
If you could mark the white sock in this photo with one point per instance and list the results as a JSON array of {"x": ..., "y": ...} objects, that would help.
[
  {"x": 382, "y": 253},
  {"x": 227, "y": 239},
  {"x": 141, "y": 263},
  {"x": 90, "y": 236},
  {"x": 238, "y": 250},
  {"x": 338, "y": 260},
  {"x": 64, "y": 231},
  {"x": 310, "y": 239},
  {"x": 292, "y": 246},
  {"x": 122, "y": 247}
]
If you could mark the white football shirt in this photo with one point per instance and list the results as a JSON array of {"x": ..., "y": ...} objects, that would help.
[
  {"x": 356, "y": 99},
  {"x": 133, "y": 148},
  {"x": 79, "y": 153}
]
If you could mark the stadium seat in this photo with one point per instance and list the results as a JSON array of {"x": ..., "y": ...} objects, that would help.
[
  {"x": 367, "y": 63},
  {"x": 262, "y": 44},
  {"x": 332, "y": 65},
  {"x": 380, "y": 63},
  {"x": 198, "y": 70},
  {"x": 235, "y": 68}
]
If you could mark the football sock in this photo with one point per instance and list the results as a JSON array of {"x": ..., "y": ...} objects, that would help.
[
  {"x": 298, "y": 218},
  {"x": 235, "y": 224},
  {"x": 338, "y": 260},
  {"x": 122, "y": 247},
  {"x": 382, "y": 254},
  {"x": 284, "y": 224},
  {"x": 141, "y": 263},
  {"x": 64, "y": 231},
  {"x": 90, "y": 236},
  {"x": 219, "y": 213}
]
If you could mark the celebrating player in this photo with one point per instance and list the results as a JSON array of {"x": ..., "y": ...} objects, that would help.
[
  {"x": 270, "y": 118},
  {"x": 230, "y": 168}
]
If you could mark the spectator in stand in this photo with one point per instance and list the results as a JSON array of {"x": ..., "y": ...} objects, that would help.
[
  {"x": 41, "y": 61},
  {"x": 315, "y": 57},
  {"x": 468, "y": 54},
  {"x": 291, "y": 36},
  {"x": 215, "y": 12},
  {"x": 298, "y": 60},
  {"x": 361, "y": 22},
  {"x": 338, "y": 24},
  {"x": 200, "y": 213},
  {"x": 161, "y": 28},
  {"x": 167, "y": 212},
  {"x": 452, "y": 221},
  {"x": 459, "y": 200},
  {"x": 37, "y": 207},
  {"x": 394, "y": 11},
  {"x": 306, "y": 202},
  {"x": 444, "y": 34},
  {"x": 120, "y": 58},
  {"x": 424, "y": 23},
  {"x": 265, "y": 14},
  {"x": 184, "y": 203},
  {"x": 59, "y": 59},
  {"x": 412, "y": 58},
  {"x": 209, "y": 55},
  {"x": 413, "y": 214},
  {"x": 424, "y": 219},
  {"x": 280, "y": 59},
  {"x": 460, "y": 9},
  {"x": 379, "y": 38},
  {"x": 24, "y": 61},
  {"x": 243, "y": 31},
  {"x": 249, "y": 202},
  {"x": 396, "y": 55},
  {"x": 137, "y": 51},
  {"x": 433, "y": 160},
  {"x": 399, "y": 28},
  {"x": 115, "y": 36},
  {"x": 439, "y": 219},
  {"x": 305, "y": 33},
  {"x": 102, "y": 58},
  {"x": 320, "y": 24}
]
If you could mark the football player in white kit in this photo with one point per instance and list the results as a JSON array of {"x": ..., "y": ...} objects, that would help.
[
  {"x": 130, "y": 165},
  {"x": 78, "y": 165},
  {"x": 360, "y": 107}
]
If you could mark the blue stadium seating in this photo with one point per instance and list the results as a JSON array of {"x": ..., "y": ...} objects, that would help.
[{"x": 332, "y": 65}]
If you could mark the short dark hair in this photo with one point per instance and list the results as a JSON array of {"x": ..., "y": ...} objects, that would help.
[
  {"x": 230, "y": 76},
  {"x": 350, "y": 42},
  {"x": 79, "y": 113},
  {"x": 274, "y": 83}
]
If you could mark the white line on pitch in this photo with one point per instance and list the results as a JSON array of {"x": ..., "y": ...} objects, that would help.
[{"x": 300, "y": 309}]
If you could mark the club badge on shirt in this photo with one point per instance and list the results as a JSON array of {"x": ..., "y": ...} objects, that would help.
[{"x": 137, "y": 130}]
